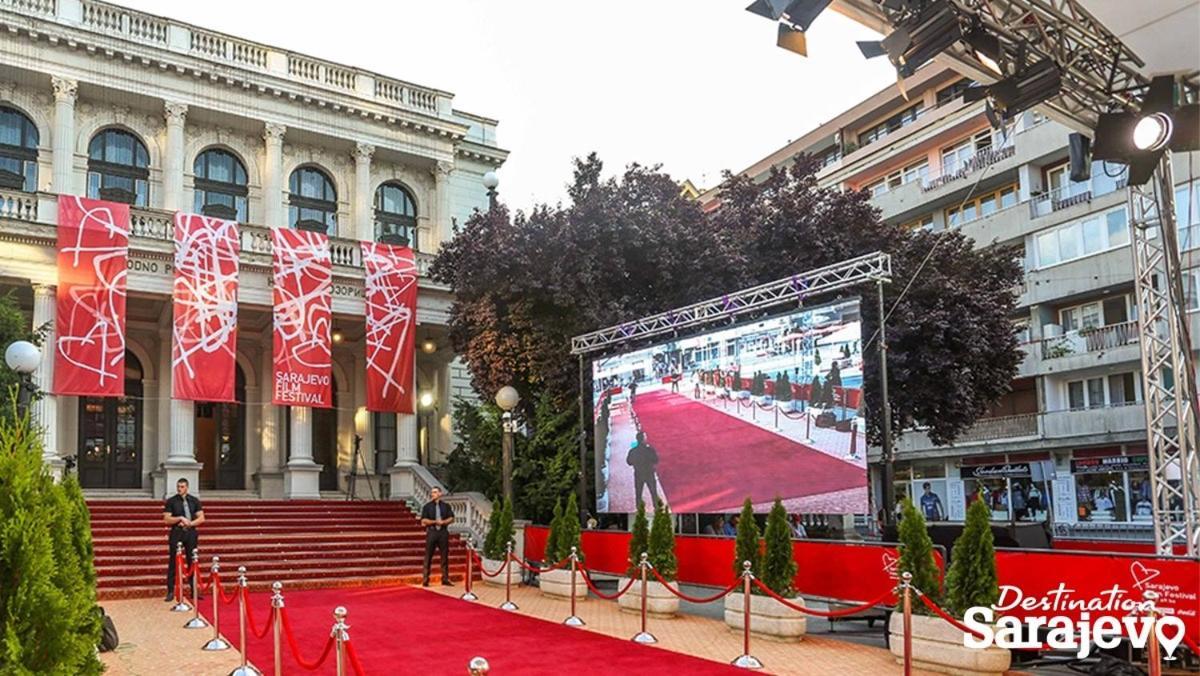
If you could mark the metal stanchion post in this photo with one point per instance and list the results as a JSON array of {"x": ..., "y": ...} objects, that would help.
[
  {"x": 277, "y": 625},
  {"x": 508, "y": 602},
  {"x": 216, "y": 643},
  {"x": 808, "y": 426},
  {"x": 196, "y": 622},
  {"x": 746, "y": 660},
  {"x": 180, "y": 606},
  {"x": 776, "y": 416},
  {"x": 644, "y": 636},
  {"x": 469, "y": 595},
  {"x": 1153, "y": 655},
  {"x": 477, "y": 666},
  {"x": 341, "y": 636},
  {"x": 574, "y": 620},
  {"x": 245, "y": 669},
  {"x": 906, "y": 584}
]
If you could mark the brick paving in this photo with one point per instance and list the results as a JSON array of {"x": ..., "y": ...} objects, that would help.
[{"x": 153, "y": 641}]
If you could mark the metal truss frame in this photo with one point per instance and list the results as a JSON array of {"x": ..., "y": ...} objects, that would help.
[
  {"x": 870, "y": 267},
  {"x": 1168, "y": 369}
]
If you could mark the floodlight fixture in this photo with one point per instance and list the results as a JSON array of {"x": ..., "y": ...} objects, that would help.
[
  {"x": 918, "y": 39},
  {"x": 1019, "y": 92},
  {"x": 1139, "y": 139}
]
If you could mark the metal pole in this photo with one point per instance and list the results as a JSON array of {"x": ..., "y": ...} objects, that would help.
[
  {"x": 196, "y": 622},
  {"x": 1153, "y": 656},
  {"x": 906, "y": 584},
  {"x": 508, "y": 602},
  {"x": 574, "y": 620},
  {"x": 889, "y": 468},
  {"x": 245, "y": 669},
  {"x": 477, "y": 666},
  {"x": 216, "y": 642},
  {"x": 277, "y": 627},
  {"x": 746, "y": 660},
  {"x": 644, "y": 636},
  {"x": 180, "y": 606},
  {"x": 506, "y": 450},
  {"x": 341, "y": 636},
  {"x": 583, "y": 467},
  {"x": 469, "y": 595}
]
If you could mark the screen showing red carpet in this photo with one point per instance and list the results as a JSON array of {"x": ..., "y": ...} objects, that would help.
[{"x": 767, "y": 409}]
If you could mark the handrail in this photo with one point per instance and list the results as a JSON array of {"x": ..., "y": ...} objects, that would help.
[
  {"x": 1082, "y": 341},
  {"x": 471, "y": 510}
]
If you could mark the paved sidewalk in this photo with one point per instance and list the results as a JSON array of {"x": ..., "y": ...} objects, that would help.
[{"x": 154, "y": 642}]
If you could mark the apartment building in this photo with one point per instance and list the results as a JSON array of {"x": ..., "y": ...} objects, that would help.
[
  {"x": 101, "y": 101},
  {"x": 1067, "y": 446}
]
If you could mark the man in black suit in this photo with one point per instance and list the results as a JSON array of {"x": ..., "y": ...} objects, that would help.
[
  {"x": 436, "y": 516},
  {"x": 184, "y": 514},
  {"x": 643, "y": 458}
]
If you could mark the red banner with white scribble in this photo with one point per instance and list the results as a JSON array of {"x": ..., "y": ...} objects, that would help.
[
  {"x": 391, "y": 296},
  {"x": 303, "y": 299},
  {"x": 93, "y": 254},
  {"x": 203, "y": 361}
]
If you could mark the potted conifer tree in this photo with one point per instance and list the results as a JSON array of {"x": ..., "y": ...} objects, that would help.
[
  {"x": 936, "y": 644},
  {"x": 776, "y": 569},
  {"x": 783, "y": 393},
  {"x": 565, "y": 535},
  {"x": 660, "y": 550},
  {"x": 500, "y": 533}
]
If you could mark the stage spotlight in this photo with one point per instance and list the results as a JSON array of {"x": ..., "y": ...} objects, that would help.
[
  {"x": 792, "y": 40},
  {"x": 1138, "y": 139},
  {"x": 917, "y": 40},
  {"x": 986, "y": 47},
  {"x": 1013, "y": 95},
  {"x": 1152, "y": 132},
  {"x": 799, "y": 13}
]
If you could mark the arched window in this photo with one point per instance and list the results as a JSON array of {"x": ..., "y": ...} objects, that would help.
[
  {"x": 118, "y": 168},
  {"x": 18, "y": 150},
  {"x": 312, "y": 204},
  {"x": 395, "y": 215},
  {"x": 220, "y": 185}
]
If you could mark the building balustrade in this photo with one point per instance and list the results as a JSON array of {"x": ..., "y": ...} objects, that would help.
[
  {"x": 982, "y": 159},
  {"x": 1090, "y": 340},
  {"x": 1068, "y": 196},
  {"x": 1001, "y": 427}
]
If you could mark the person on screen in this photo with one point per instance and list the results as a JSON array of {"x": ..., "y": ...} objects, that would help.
[
  {"x": 798, "y": 529},
  {"x": 632, "y": 391},
  {"x": 643, "y": 459},
  {"x": 730, "y": 527},
  {"x": 931, "y": 504}
]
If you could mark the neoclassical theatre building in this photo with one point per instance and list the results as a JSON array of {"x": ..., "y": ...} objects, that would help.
[{"x": 101, "y": 101}]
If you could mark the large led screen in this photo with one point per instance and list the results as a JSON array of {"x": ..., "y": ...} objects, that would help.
[{"x": 764, "y": 409}]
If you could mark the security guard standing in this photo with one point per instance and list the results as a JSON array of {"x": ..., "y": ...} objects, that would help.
[
  {"x": 435, "y": 517},
  {"x": 183, "y": 513}
]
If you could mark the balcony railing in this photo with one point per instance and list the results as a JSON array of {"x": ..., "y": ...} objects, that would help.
[
  {"x": 1095, "y": 339},
  {"x": 1068, "y": 196},
  {"x": 984, "y": 158},
  {"x": 1002, "y": 427}
]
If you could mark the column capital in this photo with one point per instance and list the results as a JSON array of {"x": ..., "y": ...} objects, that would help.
[
  {"x": 175, "y": 112},
  {"x": 363, "y": 152},
  {"x": 442, "y": 169},
  {"x": 273, "y": 131},
  {"x": 44, "y": 291},
  {"x": 65, "y": 88}
]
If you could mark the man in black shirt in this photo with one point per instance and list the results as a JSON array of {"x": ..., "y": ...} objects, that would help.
[
  {"x": 183, "y": 513},
  {"x": 643, "y": 458},
  {"x": 435, "y": 517}
]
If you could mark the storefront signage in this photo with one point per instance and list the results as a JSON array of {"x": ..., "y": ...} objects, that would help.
[
  {"x": 1115, "y": 463},
  {"x": 1012, "y": 469}
]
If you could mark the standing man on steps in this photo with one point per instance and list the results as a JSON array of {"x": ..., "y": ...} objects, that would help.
[
  {"x": 436, "y": 516},
  {"x": 183, "y": 513}
]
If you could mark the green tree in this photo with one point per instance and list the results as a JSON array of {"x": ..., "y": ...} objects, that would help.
[
  {"x": 554, "y": 536},
  {"x": 778, "y": 561},
  {"x": 639, "y": 543},
  {"x": 971, "y": 580},
  {"x": 916, "y": 556},
  {"x": 490, "y": 550},
  {"x": 662, "y": 543},
  {"x": 783, "y": 388},
  {"x": 745, "y": 546},
  {"x": 500, "y": 534},
  {"x": 570, "y": 530}
]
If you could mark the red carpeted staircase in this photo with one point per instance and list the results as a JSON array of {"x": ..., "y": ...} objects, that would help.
[{"x": 299, "y": 543}]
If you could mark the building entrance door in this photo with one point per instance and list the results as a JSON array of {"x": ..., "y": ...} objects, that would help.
[
  {"x": 110, "y": 435},
  {"x": 324, "y": 443},
  {"x": 220, "y": 430}
]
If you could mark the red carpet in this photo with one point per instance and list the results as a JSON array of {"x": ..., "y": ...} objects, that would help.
[
  {"x": 409, "y": 630},
  {"x": 709, "y": 461}
]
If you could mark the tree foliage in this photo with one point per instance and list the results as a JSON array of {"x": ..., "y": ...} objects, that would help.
[
  {"x": 745, "y": 544},
  {"x": 662, "y": 543},
  {"x": 496, "y": 543},
  {"x": 778, "y": 561},
  {"x": 971, "y": 580},
  {"x": 639, "y": 542},
  {"x": 554, "y": 535},
  {"x": 916, "y": 556}
]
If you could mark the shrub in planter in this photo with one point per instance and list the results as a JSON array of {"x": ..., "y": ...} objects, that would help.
[
  {"x": 553, "y": 553},
  {"x": 783, "y": 393},
  {"x": 776, "y": 570},
  {"x": 500, "y": 533},
  {"x": 745, "y": 545},
  {"x": 566, "y": 534},
  {"x": 916, "y": 556},
  {"x": 661, "y": 554},
  {"x": 639, "y": 542}
]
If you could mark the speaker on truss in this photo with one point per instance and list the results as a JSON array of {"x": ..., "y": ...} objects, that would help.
[{"x": 1081, "y": 156}]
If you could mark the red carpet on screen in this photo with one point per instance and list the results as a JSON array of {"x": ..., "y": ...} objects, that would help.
[
  {"x": 709, "y": 461},
  {"x": 407, "y": 630}
]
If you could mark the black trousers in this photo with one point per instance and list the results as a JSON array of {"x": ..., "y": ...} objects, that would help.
[
  {"x": 640, "y": 480},
  {"x": 437, "y": 538},
  {"x": 190, "y": 539}
]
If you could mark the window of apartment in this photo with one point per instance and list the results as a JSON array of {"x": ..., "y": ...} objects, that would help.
[
  {"x": 18, "y": 150},
  {"x": 1086, "y": 316},
  {"x": 923, "y": 223},
  {"x": 917, "y": 171},
  {"x": 1124, "y": 388},
  {"x": 957, "y": 156},
  {"x": 981, "y": 206},
  {"x": 1105, "y": 178},
  {"x": 1191, "y": 289},
  {"x": 220, "y": 189},
  {"x": 1088, "y": 393},
  {"x": 118, "y": 168},
  {"x": 1087, "y": 236},
  {"x": 901, "y": 119},
  {"x": 953, "y": 92},
  {"x": 395, "y": 215},
  {"x": 312, "y": 204},
  {"x": 1187, "y": 215},
  {"x": 828, "y": 157}
]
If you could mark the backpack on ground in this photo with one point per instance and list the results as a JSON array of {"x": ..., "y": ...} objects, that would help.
[{"x": 108, "y": 632}]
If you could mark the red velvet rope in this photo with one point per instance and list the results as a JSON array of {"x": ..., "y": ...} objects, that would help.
[
  {"x": 354, "y": 663},
  {"x": 250, "y": 617},
  {"x": 225, "y": 600},
  {"x": 823, "y": 613},
  {"x": 587, "y": 579},
  {"x": 307, "y": 666},
  {"x": 691, "y": 599},
  {"x": 793, "y": 416},
  {"x": 534, "y": 569},
  {"x": 959, "y": 625},
  {"x": 483, "y": 570}
]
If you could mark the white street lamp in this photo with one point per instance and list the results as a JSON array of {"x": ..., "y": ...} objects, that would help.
[{"x": 507, "y": 399}]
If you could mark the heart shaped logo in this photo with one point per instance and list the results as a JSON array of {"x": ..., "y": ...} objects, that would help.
[
  {"x": 1141, "y": 574},
  {"x": 1169, "y": 643},
  {"x": 891, "y": 565}
]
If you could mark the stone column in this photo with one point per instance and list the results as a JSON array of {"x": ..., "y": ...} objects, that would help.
[
  {"x": 45, "y": 410},
  {"x": 440, "y": 231},
  {"x": 176, "y": 115},
  {"x": 301, "y": 476},
  {"x": 406, "y": 451},
  {"x": 270, "y": 472},
  {"x": 181, "y": 454},
  {"x": 273, "y": 213},
  {"x": 250, "y": 448},
  {"x": 63, "y": 141},
  {"x": 364, "y": 221}
]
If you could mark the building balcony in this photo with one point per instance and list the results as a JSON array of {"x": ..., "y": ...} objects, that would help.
[
  {"x": 1102, "y": 421},
  {"x": 1088, "y": 342},
  {"x": 1080, "y": 277},
  {"x": 1074, "y": 200}
]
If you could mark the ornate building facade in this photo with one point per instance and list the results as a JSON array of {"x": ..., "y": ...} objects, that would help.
[{"x": 115, "y": 104}]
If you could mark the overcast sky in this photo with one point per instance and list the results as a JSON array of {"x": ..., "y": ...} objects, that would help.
[{"x": 696, "y": 85}]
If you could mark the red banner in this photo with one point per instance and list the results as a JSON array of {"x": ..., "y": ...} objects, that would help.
[
  {"x": 93, "y": 254},
  {"x": 303, "y": 313},
  {"x": 391, "y": 296},
  {"x": 203, "y": 360}
]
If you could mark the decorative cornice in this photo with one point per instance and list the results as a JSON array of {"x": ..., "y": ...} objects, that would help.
[{"x": 65, "y": 88}]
